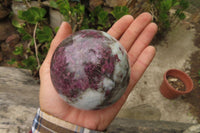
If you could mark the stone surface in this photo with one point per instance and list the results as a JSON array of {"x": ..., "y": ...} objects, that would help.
[
  {"x": 18, "y": 100},
  {"x": 17, "y": 6},
  {"x": 5, "y": 53},
  {"x": 3, "y": 13},
  {"x": 141, "y": 126},
  {"x": 6, "y": 29},
  {"x": 141, "y": 112},
  {"x": 13, "y": 39},
  {"x": 174, "y": 52},
  {"x": 6, "y": 3},
  {"x": 95, "y": 3},
  {"x": 193, "y": 129},
  {"x": 5, "y": 47},
  {"x": 56, "y": 18},
  {"x": 1, "y": 56}
]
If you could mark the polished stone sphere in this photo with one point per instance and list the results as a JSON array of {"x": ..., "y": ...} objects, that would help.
[{"x": 90, "y": 70}]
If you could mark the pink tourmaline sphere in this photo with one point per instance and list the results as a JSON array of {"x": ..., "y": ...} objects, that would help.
[{"x": 90, "y": 70}]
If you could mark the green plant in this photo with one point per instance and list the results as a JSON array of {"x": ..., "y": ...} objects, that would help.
[
  {"x": 33, "y": 15},
  {"x": 102, "y": 17},
  {"x": 36, "y": 37},
  {"x": 161, "y": 11},
  {"x": 79, "y": 18},
  {"x": 120, "y": 11},
  {"x": 98, "y": 19},
  {"x": 73, "y": 14},
  {"x": 19, "y": 50}
]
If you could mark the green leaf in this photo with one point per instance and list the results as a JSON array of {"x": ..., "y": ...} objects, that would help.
[
  {"x": 63, "y": 6},
  {"x": 20, "y": 28},
  {"x": 85, "y": 23},
  {"x": 96, "y": 11},
  {"x": 82, "y": 8},
  {"x": 18, "y": 50},
  {"x": 178, "y": 11},
  {"x": 166, "y": 5},
  {"x": 30, "y": 63},
  {"x": 32, "y": 15},
  {"x": 176, "y": 3},
  {"x": 184, "y": 4},
  {"x": 103, "y": 18},
  {"x": 32, "y": 42},
  {"x": 99, "y": 28},
  {"x": 12, "y": 61},
  {"x": 25, "y": 35},
  {"x": 44, "y": 35},
  {"x": 182, "y": 16},
  {"x": 17, "y": 24},
  {"x": 120, "y": 11},
  {"x": 53, "y": 4},
  {"x": 56, "y": 29}
]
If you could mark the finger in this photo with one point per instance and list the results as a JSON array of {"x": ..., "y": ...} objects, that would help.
[
  {"x": 135, "y": 29},
  {"x": 142, "y": 42},
  {"x": 136, "y": 72},
  {"x": 63, "y": 32},
  {"x": 120, "y": 26},
  {"x": 140, "y": 66}
]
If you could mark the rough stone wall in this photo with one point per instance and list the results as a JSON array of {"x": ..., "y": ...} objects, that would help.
[{"x": 18, "y": 100}]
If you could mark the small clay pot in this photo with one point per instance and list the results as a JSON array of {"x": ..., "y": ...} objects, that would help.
[{"x": 171, "y": 93}]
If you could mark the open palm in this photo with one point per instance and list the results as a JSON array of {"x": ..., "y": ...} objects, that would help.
[{"x": 134, "y": 35}]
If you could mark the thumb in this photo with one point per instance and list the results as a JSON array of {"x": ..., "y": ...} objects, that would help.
[{"x": 63, "y": 32}]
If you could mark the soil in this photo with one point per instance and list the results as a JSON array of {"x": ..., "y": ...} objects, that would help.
[{"x": 176, "y": 83}]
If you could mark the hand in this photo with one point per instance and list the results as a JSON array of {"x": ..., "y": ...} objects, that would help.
[{"x": 134, "y": 35}]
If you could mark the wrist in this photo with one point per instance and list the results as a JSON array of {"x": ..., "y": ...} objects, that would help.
[{"x": 45, "y": 122}]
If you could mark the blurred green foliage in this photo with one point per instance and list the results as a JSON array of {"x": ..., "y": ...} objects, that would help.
[
  {"x": 36, "y": 35},
  {"x": 97, "y": 19},
  {"x": 162, "y": 15}
]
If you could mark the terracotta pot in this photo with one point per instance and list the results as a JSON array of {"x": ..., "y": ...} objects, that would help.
[{"x": 171, "y": 93}]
